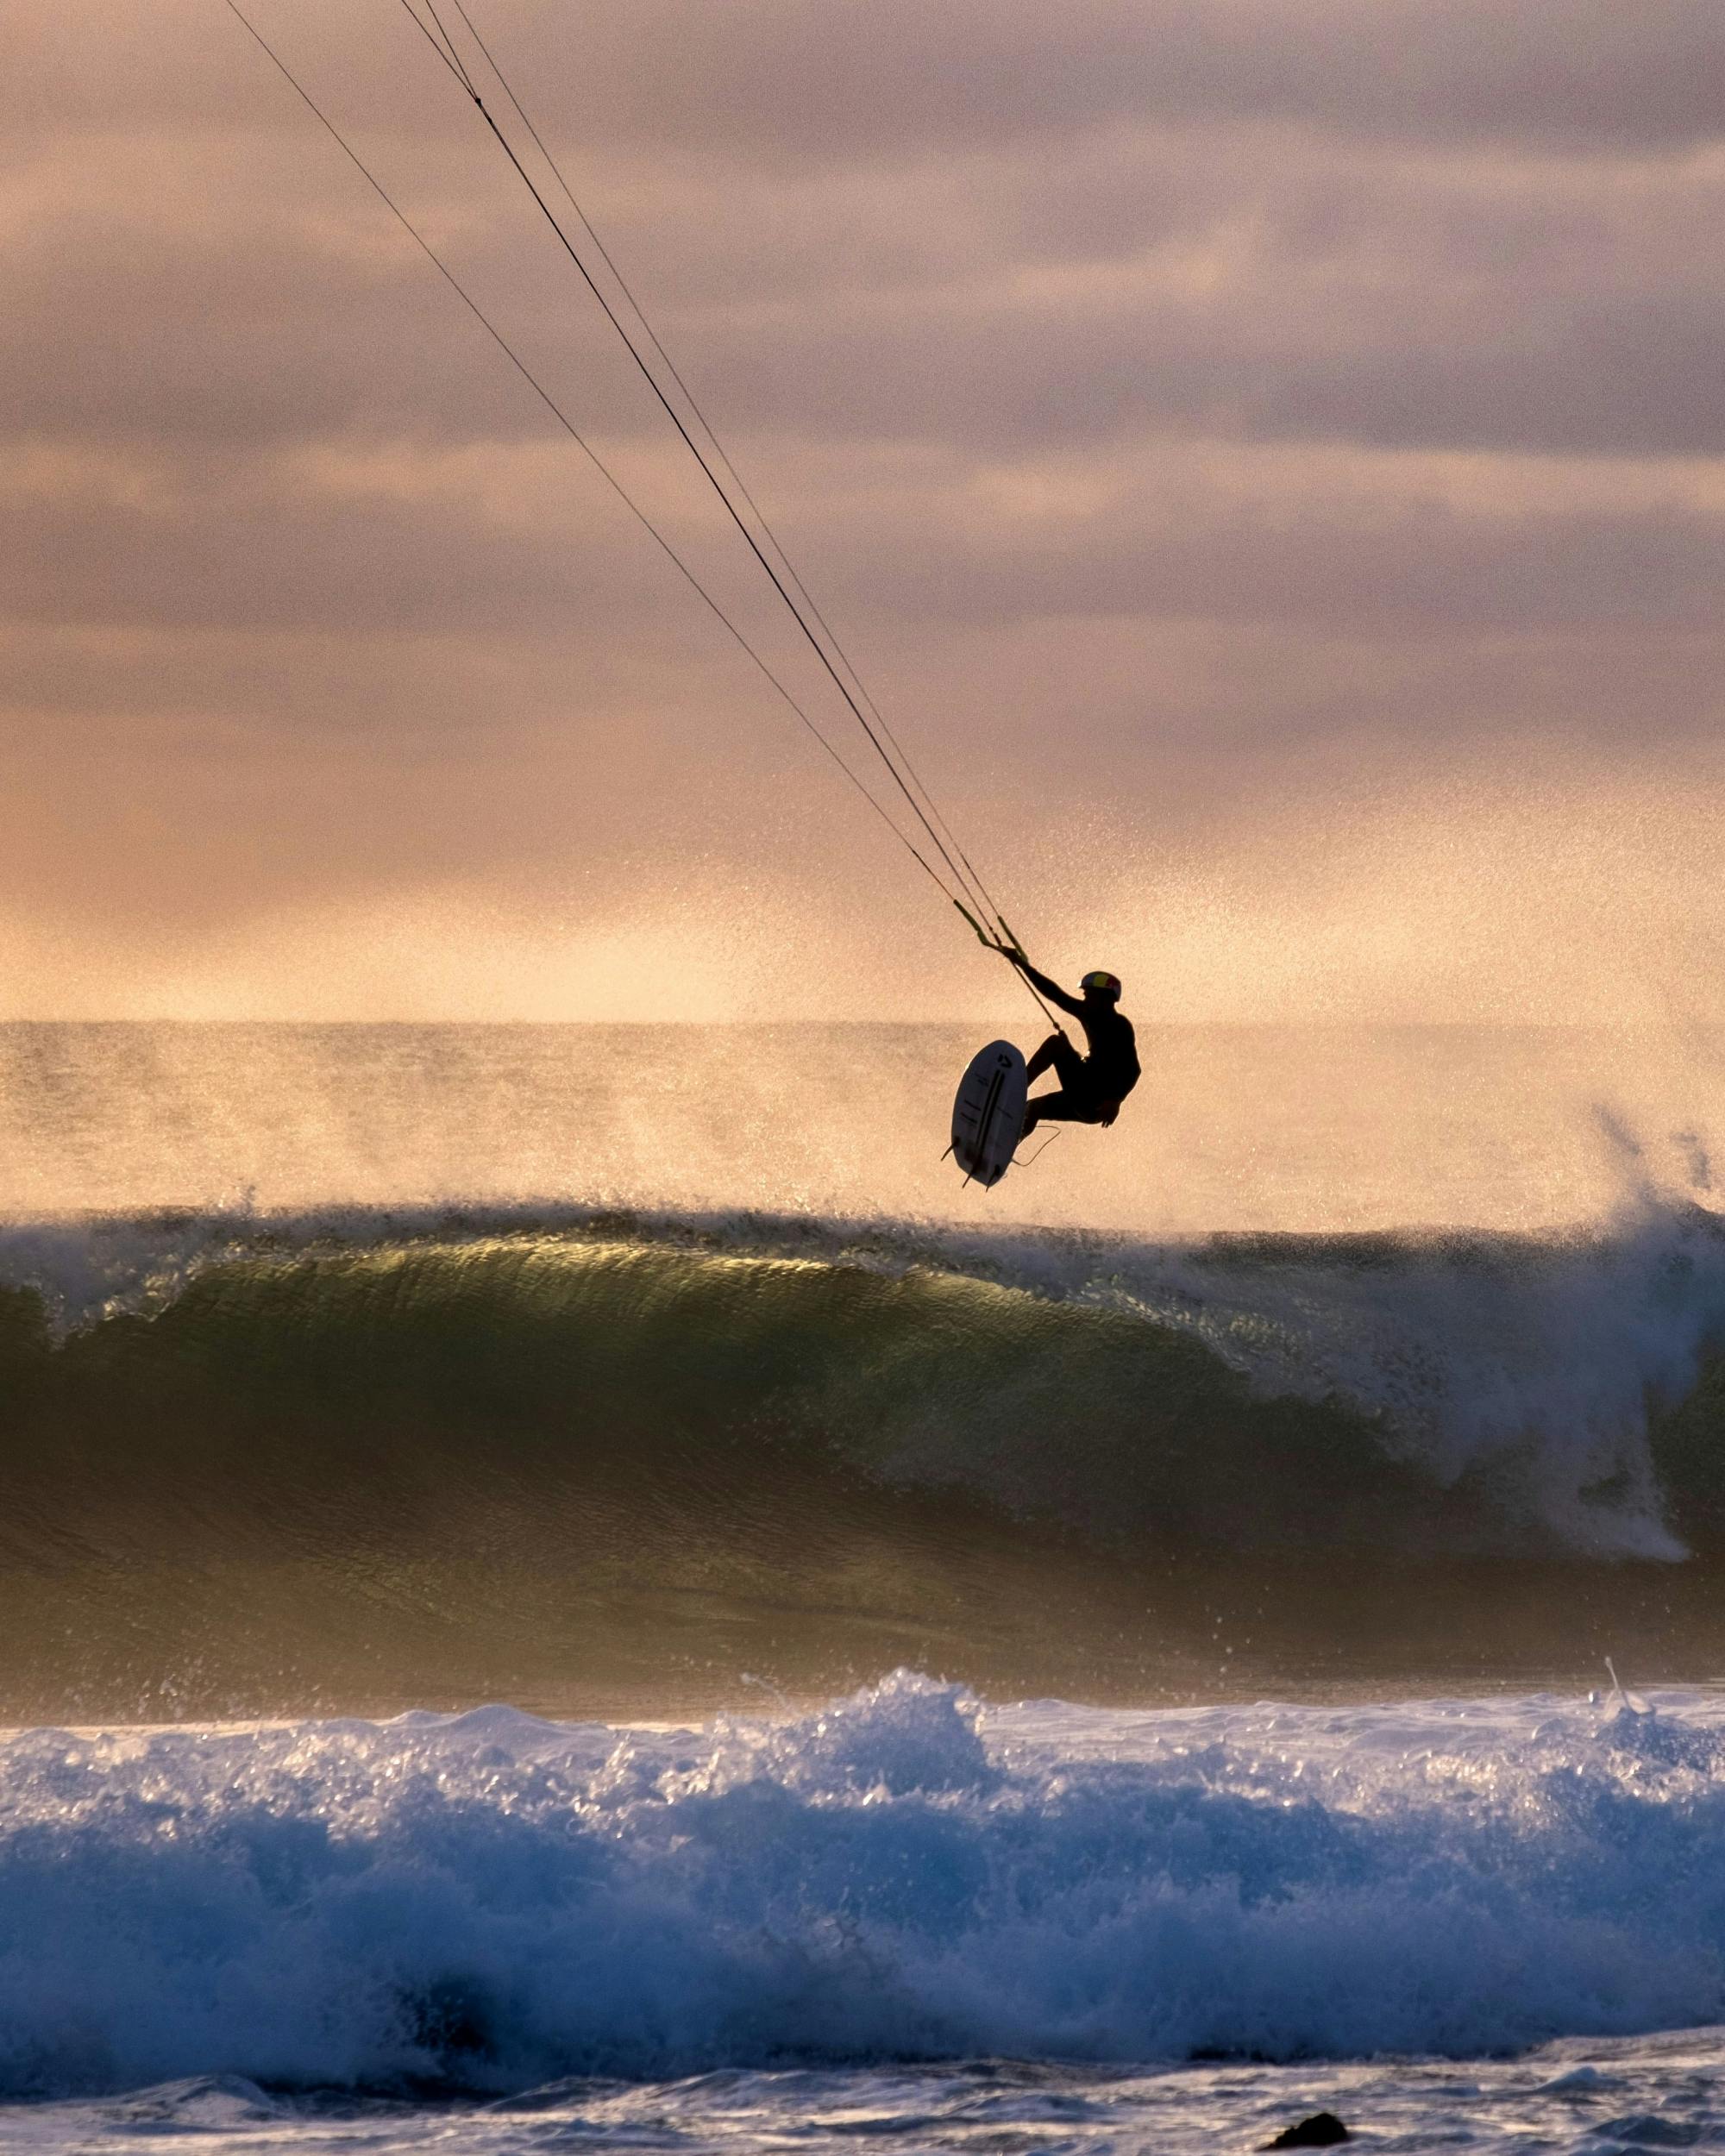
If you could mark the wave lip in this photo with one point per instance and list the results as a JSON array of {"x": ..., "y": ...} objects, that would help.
[{"x": 490, "y": 1903}]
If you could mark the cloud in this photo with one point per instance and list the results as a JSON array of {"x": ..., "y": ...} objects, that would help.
[
  {"x": 778, "y": 78},
  {"x": 1176, "y": 404}
]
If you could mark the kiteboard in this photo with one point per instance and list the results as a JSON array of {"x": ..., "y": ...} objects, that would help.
[{"x": 987, "y": 1116}]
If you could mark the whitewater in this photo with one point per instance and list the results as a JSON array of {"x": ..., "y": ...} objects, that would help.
[
  {"x": 544, "y": 1606},
  {"x": 904, "y": 1915}
]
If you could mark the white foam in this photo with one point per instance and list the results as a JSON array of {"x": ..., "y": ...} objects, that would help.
[{"x": 499, "y": 1901}]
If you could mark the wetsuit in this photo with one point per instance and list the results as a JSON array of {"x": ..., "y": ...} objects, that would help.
[{"x": 1092, "y": 1087}]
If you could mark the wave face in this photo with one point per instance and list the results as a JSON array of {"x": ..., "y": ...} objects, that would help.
[
  {"x": 490, "y": 1903},
  {"x": 900, "y": 1423},
  {"x": 1292, "y": 1388}
]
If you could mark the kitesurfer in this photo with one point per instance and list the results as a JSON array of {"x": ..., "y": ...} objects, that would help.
[{"x": 1092, "y": 1087}]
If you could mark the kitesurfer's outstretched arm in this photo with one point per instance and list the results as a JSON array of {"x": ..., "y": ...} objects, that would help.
[{"x": 1073, "y": 1006}]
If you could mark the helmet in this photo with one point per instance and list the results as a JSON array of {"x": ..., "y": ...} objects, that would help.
[{"x": 1104, "y": 984}]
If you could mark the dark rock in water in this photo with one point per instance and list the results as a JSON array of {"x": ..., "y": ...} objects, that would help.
[{"x": 1322, "y": 2130}]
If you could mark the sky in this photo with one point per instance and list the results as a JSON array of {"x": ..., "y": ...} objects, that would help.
[{"x": 1266, "y": 458}]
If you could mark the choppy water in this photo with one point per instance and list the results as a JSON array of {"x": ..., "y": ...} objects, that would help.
[
  {"x": 347, "y": 1371},
  {"x": 900, "y": 1918}
]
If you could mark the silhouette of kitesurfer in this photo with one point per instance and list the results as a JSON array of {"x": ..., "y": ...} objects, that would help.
[{"x": 1092, "y": 1087}]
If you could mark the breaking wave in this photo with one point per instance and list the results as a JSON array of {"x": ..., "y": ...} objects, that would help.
[
  {"x": 608, "y": 1464},
  {"x": 489, "y": 1902},
  {"x": 1473, "y": 1393}
]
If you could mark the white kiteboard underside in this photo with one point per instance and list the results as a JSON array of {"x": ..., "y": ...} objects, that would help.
[{"x": 987, "y": 1116}]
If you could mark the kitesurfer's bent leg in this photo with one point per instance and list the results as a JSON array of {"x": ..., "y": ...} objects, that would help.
[
  {"x": 1058, "y": 1055},
  {"x": 1075, "y": 1100}
]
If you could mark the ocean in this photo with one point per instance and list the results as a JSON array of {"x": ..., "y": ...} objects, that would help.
[{"x": 572, "y": 1585}]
